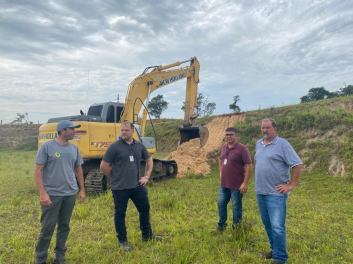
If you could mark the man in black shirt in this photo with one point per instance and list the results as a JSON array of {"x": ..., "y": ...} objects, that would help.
[{"x": 121, "y": 163}]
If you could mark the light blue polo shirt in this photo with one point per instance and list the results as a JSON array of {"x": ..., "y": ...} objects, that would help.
[{"x": 273, "y": 162}]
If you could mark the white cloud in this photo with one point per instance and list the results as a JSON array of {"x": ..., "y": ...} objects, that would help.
[{"x": 267, "y": 52}]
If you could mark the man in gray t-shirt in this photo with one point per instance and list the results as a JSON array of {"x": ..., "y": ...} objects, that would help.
[
  {"x": 57, "y": 171},
  {"x": 273, "y": 159}
]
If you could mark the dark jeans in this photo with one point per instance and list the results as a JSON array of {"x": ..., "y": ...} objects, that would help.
[
  {"x": 139, "y": 197},
  {"x": 58, "y": 213}
]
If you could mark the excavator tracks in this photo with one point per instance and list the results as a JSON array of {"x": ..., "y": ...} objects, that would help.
[
  {"x": 163, "y": 169},
  {"x": 96, "y": 182}
]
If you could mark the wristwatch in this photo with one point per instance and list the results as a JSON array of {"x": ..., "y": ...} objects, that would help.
[{"x": 147, "y": 177}]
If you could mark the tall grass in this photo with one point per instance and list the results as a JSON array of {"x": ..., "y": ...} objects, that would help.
[{"x": 319, "y": 222}]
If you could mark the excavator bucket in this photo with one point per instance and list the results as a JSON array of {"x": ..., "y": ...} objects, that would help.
[{"x": 194, "y": 131}]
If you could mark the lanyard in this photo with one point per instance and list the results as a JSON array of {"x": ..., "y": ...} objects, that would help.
[{"x": 227, "y": 152}]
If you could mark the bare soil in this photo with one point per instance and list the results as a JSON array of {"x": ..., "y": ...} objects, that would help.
[{"x": 190, "y": 157}]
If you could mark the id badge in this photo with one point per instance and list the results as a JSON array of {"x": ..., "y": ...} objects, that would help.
[
  {"x": 131, "y": 158},
  {"x": 225, "y": 162}
]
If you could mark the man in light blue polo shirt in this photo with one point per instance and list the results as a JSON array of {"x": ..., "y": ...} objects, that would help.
[{"x": 273, "y": 159}]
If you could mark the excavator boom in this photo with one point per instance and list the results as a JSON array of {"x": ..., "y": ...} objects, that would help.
[{"x": 146, "y": 83}]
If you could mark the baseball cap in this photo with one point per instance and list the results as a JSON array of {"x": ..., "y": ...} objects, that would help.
[{"x": 65, "y": 124}]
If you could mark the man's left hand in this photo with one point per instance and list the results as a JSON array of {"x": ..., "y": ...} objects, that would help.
[
  {"x": 284, "y": 188},
  {"x": 143, "y": 181},
  {"x": 243, "y": 188},
  {"x": 81, "y": 196}
]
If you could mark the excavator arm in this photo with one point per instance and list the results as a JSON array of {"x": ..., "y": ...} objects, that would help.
[{"x": 146, "y": 83}]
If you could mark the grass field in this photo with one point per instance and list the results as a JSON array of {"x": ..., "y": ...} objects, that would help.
[{"x": 319, "y": 222}]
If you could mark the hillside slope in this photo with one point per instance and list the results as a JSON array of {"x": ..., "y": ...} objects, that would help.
[
  {"x": 12, "y": 136},
  {"x": 321, "y": 132}
]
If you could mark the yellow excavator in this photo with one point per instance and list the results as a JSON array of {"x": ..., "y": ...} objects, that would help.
[{"x": 101, "y": 125}]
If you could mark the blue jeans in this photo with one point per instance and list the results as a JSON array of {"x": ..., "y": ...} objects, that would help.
[
  {"x": 273, "y": 214},
  {"x": 139, "y": 197},
  {"x": 224, "y": 196}
]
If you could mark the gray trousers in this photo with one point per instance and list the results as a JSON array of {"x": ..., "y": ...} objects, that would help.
[{"x": 59, "y": 212}]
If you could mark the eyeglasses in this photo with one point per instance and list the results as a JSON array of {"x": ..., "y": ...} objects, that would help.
[{"x": 230, "y": 135}]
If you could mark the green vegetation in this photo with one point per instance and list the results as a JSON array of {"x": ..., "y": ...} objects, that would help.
[
  {"x": 318, "y": 131},
  {"x": 204, "y": 107},
  {"x": 31, "y": 144},
  {"x": 157, "y": 105},
  {"x": 22, "y": 119},
  {"x": 234, "y": 107},
  {"x": 320, "y": 93},
  {"x": 165, "y": 133},
  {"x": 319, "y": 222},
  {"x": 319, "y": 218}
]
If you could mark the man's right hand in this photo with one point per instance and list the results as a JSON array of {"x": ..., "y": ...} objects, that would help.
[{"x": 45, "y": 199}]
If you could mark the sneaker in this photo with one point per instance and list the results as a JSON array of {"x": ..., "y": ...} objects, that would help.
[
  {"x": 59, "y": 261},
  {"x": 268, "y": 255},
  {"x": 125, "y": 245},
  {"x": 155, "y": 238}
]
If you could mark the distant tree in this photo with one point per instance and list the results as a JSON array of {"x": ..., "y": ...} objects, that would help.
[
  {"x": 21, "y": 118},
  {"x": 347, "y": 90},
  {"x": 335, "y": 94},
  {"x": 305, "y": 99},
  {"x": 234, "y": 107},
  {"x": 203, "y": 106},
  {"x": 200, "y": 103},
  {"x": 210, "y": 107},
  {"x": 157, "y": 105},
  {"x": 316, "y": 94}
]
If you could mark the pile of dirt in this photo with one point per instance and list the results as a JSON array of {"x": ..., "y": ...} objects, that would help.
[{"x": 190, "y": 157}]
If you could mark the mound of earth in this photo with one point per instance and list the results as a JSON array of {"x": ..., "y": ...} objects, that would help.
[{"x": 190, "y": 157}]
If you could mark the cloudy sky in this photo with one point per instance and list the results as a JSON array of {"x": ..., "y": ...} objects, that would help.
[{"x": 58, "y": 57}]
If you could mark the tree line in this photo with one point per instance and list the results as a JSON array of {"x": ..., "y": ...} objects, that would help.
[
  {"x": 157, "y": 105},
  {"x": 320, "y": 93}
]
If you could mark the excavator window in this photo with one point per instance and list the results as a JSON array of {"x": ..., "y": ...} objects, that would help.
[
  {"x": 95, "y": 110},
  {"x": 110, "y": 114},
  {"x": 119, "y": 109}
]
